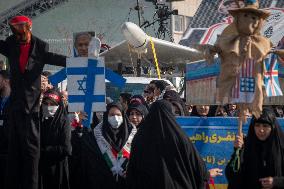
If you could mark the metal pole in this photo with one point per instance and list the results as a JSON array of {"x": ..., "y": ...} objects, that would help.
[{"x": 138, "y": 10}]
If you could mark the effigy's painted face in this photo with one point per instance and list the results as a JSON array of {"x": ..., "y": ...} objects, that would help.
[
  {"x": 247, "y": 23},
  {"x": 21, "y": 31}
]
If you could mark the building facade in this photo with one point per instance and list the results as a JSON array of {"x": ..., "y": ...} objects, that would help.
[{"x": 179, "y": 23}]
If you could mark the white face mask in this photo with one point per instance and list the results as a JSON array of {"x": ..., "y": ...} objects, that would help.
[
  {"x": 49, "y": 111},
  {"x": 115, "y": 121}
]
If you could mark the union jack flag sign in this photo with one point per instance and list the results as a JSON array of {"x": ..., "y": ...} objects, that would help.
[{"x": 271, "y": 82}]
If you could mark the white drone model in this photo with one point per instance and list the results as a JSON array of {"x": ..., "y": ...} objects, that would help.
[{"x": 138, "y": 44}]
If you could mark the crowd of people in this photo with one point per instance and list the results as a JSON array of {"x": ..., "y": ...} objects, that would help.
[{"x": 136, "y": 144}]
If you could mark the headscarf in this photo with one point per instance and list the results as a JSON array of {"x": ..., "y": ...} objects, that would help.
[
  {"x": 162, "y": 156},
  {"x": 179, "y": 106},
  {"x": 20, "y": 20},
  {"x": 257, "y": 152},
  {"x": 211, "y": 113},
  {"x": 21, "y": 34},
  {"x": 52, "y": 95},
  {"x": 172, "y": 95},
  {"x": 139, "y": 107},
  {"x": 116, "y": 137},
  {"x": 138, "y": 99}
]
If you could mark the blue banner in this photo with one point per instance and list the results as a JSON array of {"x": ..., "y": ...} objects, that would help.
[
  {"x": 213, "y": 138},
  {"x": 201, "y": 69}
]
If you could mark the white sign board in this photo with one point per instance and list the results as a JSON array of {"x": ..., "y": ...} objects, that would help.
[{"x": 86, "y": 84}]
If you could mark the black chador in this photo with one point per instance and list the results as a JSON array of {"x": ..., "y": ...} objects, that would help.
[
  {"x": 4, "y": 110},
  {"x": 259, "y": 159},
  {"x": 162, "y": 156},
  {"x": 27, "y": 56},
  {"x": 103, "y": 154},
  {"x": 55, "y": 138}
]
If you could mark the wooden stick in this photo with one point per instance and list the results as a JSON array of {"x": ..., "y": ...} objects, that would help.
[{"x": 240, "y": 127}]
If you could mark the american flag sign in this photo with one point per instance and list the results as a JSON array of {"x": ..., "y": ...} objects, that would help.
[{"x": 243, "y": 91}]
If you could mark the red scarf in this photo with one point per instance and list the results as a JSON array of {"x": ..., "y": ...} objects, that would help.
[{"x": 24, "y": 55}]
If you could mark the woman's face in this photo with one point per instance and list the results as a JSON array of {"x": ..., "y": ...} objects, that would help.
[
  {"x": 135, "y": 117},
  {"x": 232, "y": 106},
  {"x": 262, "y": 131},
  {"x": 176, "y": 110},
  {"x": 114, "y": 111},
  {"x": 202, "y": 110}
]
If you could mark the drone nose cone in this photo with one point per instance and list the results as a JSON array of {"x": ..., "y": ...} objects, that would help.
[{"x": 134, "y": 35}]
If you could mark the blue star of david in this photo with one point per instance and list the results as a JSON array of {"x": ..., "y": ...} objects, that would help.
[
  {"x": 87, "y": 84},
  {"x": 81, "y": 83}
]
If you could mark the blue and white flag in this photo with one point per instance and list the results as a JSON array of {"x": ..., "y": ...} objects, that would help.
[{"x": 86, "y": 84}]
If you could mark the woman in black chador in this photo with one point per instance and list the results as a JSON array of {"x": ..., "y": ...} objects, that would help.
[
  {"x": 55, "y": 141},
  {"x": 105, "y": 151},
  {"x": 262, "y": 160},
  {"x": 162, "y": 156}
]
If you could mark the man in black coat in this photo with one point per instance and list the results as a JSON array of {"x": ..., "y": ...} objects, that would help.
[
  {"x": 27, "y": 56},
  {"x": 5, "y": 90}
]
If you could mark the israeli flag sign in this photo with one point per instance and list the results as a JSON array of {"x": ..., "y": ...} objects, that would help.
[{"x": 86, "y": 84}]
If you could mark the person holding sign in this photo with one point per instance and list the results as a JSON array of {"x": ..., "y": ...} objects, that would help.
[
  {"x": 262, "y": 155},
  {"x": 27, "y": 56},
  {"x": 105, "y": 151}
]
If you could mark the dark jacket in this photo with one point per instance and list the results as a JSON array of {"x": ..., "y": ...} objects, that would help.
[
  {"x": 259, "y": 158},
  {"x": 55, "y": 149},
  {"x": 162, "y": 156},
  {"x": 235, "y": 179},
  {"x": 74, "y": 160},
  {"x": 4, "y": 112},
  {"x": 3, "y": 140},
  {"x": 94, "y": 171},
  {"x": 25, "y": 94}
]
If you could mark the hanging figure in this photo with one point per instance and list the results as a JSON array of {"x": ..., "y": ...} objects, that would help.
[
  {"x": 27, "y": 56},
  {"x": 242, "y": 49}
]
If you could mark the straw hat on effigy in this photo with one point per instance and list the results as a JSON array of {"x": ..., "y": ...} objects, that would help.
[{"x": 251, "y": 6}]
